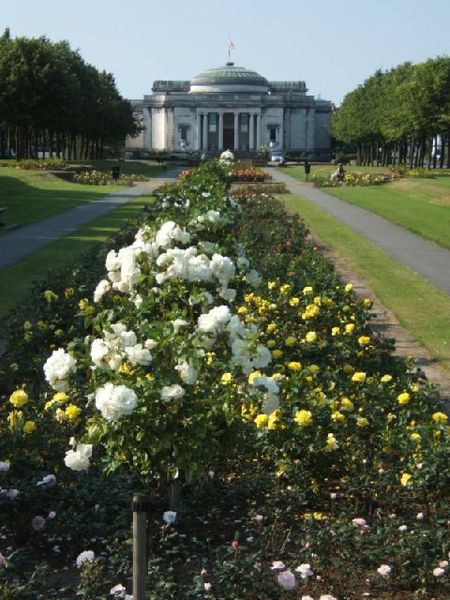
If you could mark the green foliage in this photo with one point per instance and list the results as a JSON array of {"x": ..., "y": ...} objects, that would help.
[
  {"x": 399, "y": 116},
  {"x": 52, "y": 101}
]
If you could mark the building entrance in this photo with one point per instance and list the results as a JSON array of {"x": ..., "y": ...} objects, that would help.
[{"x": 228, "y": 131}]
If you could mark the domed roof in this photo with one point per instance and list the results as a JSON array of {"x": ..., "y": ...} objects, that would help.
[{"x": 229, "y": 78}]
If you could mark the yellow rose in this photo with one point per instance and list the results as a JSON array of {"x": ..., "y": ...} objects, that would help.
[
  {"x": 72, "y": 412},
  {"x": 303, "y": 418},
  {"x": 271, "y": 343},
  {"x": 272, "y": 285},
  {"x": 349, "y": 328},
  {"x": 348, "y": 287},
  {"x": 277, "y": 353},
  {"x": 307, "y": 290},
  {"x": 415, "y": 437},
  {"x": 386, "y": 378},
  {"x": 18, "y": 398},
  {"x": 29, "y": 427},
  {"x": 294, "y": 302},
  {"x": 403, "y": 398},
  {"x": 440, "y": 418},
  {"x": 311, "y": 337},
  {"x": 226, "y": 378},
  {"x": 294, "y": 366},
  {"x": 273, "y": 422},
  {"x": 363, "y": 340},
  {"x": 271, "y": 328},
  {"x": 335, "y": 331},
  {"x": 253, "y": 376},
  {"x": 290, "y": 341},
  {"x": 359, "y": 377},
  {"x": 347, "y": 404},
  {"x": 337, "y": 417},
  {"x": 405, "y": 479},
  {"x": 242, "y": 310},
  {"x": 261, "y": 420},
  {"x": 50, "y": 296},
  {"x": 331, "y": 443},
  {"x": 362, "y": 422}
]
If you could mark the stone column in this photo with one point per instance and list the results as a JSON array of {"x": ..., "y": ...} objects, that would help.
[
  {"x": 258, "y": 131},
  {"x": 251, "y": 125},
  {"x": 281, "y": 136},
  {"x": 220, "y": 142},
  {"x": 205, "y": 132},
  {"x": 236, "y": 131},
  {"x": 198, "y": 131}
]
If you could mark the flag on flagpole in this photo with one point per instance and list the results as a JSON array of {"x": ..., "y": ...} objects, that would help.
[{"x": 230, "y": 48}]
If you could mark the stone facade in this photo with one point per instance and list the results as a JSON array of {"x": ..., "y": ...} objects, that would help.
[{"x": 231, "y": 108}]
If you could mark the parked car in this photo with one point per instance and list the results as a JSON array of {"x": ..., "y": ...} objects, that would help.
[{"x": 277, "y": 157}]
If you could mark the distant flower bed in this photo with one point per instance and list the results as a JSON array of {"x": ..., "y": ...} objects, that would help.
[
  {"x": 244, "y": 191},
  {"x": 92, "y": 178},
  {"x": 104, "y": 178},
  {"x": 249, "y": 174},
  {"x": 355, "y": 179},
  {"x": 40, "y": 165}
]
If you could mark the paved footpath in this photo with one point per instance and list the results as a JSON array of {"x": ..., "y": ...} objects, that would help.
[
  {"x": 20, "y": 242},
  {"x": 427, "y": 259}
]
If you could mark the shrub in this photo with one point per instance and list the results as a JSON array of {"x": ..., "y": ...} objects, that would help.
[{"x": 42, "y": 165}]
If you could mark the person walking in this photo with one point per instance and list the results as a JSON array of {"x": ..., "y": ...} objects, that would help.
[{"x": 307, "y": 167}]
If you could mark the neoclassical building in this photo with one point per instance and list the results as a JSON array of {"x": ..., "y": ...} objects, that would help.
[{"x": 233, "y": 108}]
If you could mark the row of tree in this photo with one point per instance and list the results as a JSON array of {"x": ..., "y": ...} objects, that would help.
[
  {"x": 401, "y": 116},
  {"x": 52, "y": 103}
]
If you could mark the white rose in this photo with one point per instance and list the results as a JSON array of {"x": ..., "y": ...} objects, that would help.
[
  {"x": 102, "y": 287},
  {"x": 172, "y": 392},
  {"x": 137, "y": 355},
  {"x": 57, "y": 369},
  {"x": 99, "y": 351},
  {"x": 115, "y": 401},
  {"x": 215, "y": 320},
  {"x": 78, "y": 460},
  {"x": 187, "y": 372},
  {"x": 253, "y": 278}
]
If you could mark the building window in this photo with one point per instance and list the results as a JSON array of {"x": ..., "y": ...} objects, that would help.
[
  {"x": 272, "y": 134},
  {"x": 183, "y": 131},
  {"x": 213, "y": 122}
]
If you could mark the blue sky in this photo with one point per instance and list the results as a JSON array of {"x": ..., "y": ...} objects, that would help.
[{"x": 333, "y": 45}]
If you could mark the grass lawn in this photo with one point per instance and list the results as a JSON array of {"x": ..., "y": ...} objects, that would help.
[
  {"x": 16, "y": 279},
  {"x": 420, "y": 205},
  {"x": 420, "y": 307},
  {"x": 35, "y": 195}
]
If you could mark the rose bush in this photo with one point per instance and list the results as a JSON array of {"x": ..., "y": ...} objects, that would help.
[{"x": 211, "y": 343}]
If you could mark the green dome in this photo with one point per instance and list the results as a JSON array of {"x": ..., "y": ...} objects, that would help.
[{"x": 228, "y": 75}]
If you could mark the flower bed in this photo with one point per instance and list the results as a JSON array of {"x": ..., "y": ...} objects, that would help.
[
  {"x": 216, "y": 347},
  {"x": 43, "y": 165},
  {"x": 354, "y": 179}
]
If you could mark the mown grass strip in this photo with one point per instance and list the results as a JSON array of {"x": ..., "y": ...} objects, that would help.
[
  {"x": 421, "y": 309},
  {"x": 36, "y": 195},
  {"x": 419, "y": 205},
  {"x": 16, "y": 279}
]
